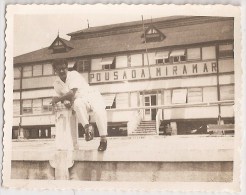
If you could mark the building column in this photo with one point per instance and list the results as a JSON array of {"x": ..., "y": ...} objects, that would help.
[{"x": 174, "y": 128}]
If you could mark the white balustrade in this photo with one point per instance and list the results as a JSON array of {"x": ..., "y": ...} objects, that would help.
[{"x": 66, "y": 128}]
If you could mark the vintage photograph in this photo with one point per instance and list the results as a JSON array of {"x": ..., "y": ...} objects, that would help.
[{"x": 98, "y": 95}]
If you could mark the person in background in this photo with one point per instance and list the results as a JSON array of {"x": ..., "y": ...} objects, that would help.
[{"x": 71, "y": 86}]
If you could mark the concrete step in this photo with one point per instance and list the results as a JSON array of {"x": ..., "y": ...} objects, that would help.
[
  {"x": 145, "y": 129},
  {"x": 151, "y": 133}
]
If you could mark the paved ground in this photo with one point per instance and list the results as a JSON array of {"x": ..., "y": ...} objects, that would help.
[{"x": 148, "y": 148}]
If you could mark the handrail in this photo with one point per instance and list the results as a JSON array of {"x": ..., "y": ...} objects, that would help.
[
  {"x": 215, "y": 103},
  {"x": 158, "y": 119},
  {"x": 134, "y": 121}
]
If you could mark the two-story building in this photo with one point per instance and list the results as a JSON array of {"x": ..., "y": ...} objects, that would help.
[{"x": 182, "y": 67}]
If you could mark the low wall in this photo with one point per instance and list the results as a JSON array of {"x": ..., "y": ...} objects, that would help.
[
  {"x": 130, "y": 171},
  {"x": 174, "y": 158}
]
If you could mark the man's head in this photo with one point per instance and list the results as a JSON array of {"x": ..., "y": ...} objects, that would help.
[{"x": 60, "y": 67}]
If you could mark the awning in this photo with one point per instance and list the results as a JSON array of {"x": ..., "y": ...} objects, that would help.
[
  {"x": 178, "y": 52},
  {"x": 108, "y": 60},
  {"x": 70, "y": 64},
  {"x": 109, "y": 99},
  {"x": 161, "y": 55}
]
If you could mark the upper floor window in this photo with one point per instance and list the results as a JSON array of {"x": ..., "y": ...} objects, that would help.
[
  {"x": 82, "y": 66},
  {"x": 162, "y": 57},
  {"x": 108, "y": 63},
  {"x": 208, "y": 53},
  {"x": 47, "y": 69},
  {"x": 136, "y": 60},
  {"x": 194, "y": 53},
  {"x": 27, "y": 71},
  {"x": 178, "y": 56},
  {"x": 17, "y": 72},
  {"x": 37, "y": 70},
  {"x": 226, "y": 50}
]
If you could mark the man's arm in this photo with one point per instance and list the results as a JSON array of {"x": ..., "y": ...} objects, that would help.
[{"x": 68, "y": 96}]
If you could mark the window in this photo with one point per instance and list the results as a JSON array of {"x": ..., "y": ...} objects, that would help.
[
  {"x": 107, "y": 67},
  {"x": 16, "y": 107},
  {"x": 136, "y": 60},
  {"x": 194, "y": 95},
  {"x": 121, "y": 61},
  {"x": 227, "y": 92},
  {"x": 226, "y": 50},
  {"x": 57, "y": 43},
  {"x": 27, "y": 106},
  {"x": 83, "y": 65},
  {"x": 208, "y": 53},
  {"x": 152, "y": 34},
  {"x": 179, "y": 96},
  {"x": 108, "y": 63},
  {"x": 17, "y": 72},
  {"x": 47, "y": 69},
  {"x": 151, "y": 58},
  {"x": 178, "y": 56},
  {"x": 47, "y": 107},
  {"x": 162, "y": 57},
  {"x": 37, "y": 106},
  {"x": 37, "y": 70},
  {"x": 210, "y": 94},
  {"x": 113, "y": 104},
  {"x": 110, "y": 101},
  {"x": 27, "y": 71},
  {"x": 122, "y": 100},
  {"x": 193, "y": 54}
]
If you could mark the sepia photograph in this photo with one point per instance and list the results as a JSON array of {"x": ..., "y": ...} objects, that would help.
[{"x": 97, "y": 95}]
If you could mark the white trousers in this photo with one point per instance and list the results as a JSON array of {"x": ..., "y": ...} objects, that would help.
[{"x": 93, "y": 105}]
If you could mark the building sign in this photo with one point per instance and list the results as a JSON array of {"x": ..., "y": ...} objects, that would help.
[{"x": 158, "y": 71}]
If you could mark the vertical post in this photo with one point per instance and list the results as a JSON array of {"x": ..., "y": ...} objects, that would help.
[
  {"x": 218, "y": 82},
  {"x": 66, "y": 129},
  {"x": 66, "y": 141},
  {"x": 20, "y": 123}
]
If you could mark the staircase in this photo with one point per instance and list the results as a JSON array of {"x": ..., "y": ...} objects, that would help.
[{"x": 145, "y": 128}]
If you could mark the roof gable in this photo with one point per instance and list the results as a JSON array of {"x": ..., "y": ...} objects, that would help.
[
  {"x": 60, "y": 45},
  {"x": 153, "y": 34}
]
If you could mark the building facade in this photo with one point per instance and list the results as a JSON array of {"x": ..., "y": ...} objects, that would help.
[{"x": 172, "y": 75}]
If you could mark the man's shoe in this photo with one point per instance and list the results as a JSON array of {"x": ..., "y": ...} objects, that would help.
[
  {"x": 89, "y": 132},
  {"x": 103, "y": 146}
]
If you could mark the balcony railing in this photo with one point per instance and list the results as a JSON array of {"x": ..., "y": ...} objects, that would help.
[{"x": 168, "y": 106}]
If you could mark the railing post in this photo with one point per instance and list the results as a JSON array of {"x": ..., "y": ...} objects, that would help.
[{"x": 66, "y": 141}]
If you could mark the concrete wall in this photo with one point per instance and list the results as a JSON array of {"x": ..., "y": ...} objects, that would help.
[
  {"x": 32, "y": 170},
  {"x": 130, "y": 171}
]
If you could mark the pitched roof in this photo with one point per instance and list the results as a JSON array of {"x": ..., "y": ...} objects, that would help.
[
  {"x": 125, "y": 24},
  {"x": 176, "y": 36}
]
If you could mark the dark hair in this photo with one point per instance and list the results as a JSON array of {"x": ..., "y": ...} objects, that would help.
[{"x": 59, "y": 62}]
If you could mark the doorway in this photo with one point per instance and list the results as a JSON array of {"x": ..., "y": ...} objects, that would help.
[{"x": 150, "y": 100}]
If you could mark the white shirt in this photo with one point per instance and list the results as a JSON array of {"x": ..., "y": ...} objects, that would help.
[{"x": 73, "y": 81}]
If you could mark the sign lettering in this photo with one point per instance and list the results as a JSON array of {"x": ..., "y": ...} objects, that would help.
[{"x": 158, "y": 71}]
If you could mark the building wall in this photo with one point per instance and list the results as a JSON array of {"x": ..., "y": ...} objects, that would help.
[{"x": 197, "y": 73}]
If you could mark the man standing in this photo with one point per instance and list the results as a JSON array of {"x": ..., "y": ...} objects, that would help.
[{"x": 71, "y": 86}]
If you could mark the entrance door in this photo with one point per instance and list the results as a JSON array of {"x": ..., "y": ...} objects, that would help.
[{"x": 150, "y": 114}]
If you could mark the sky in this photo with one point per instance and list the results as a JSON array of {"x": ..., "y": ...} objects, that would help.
[{"x": 36, "y": 31}]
